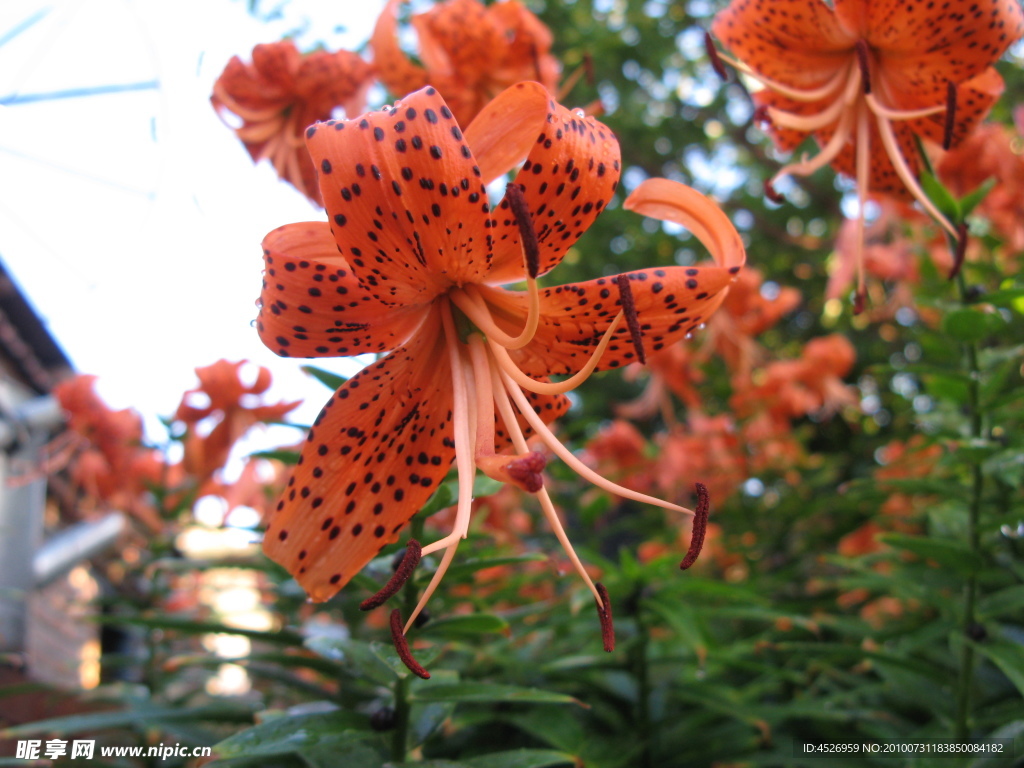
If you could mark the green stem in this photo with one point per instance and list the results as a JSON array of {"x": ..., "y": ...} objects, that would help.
[
  {"x": 966, "y": 673},
  {"x": 400, "y": 736},
  {"x": 641, "y": 671}
]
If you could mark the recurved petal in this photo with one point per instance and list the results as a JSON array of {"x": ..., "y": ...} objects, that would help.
[
  {"x": 376, "y": 452},
  {"x": 277, "y": 62},
  {"x": 974, "y": 99},
  {"x": 458, "y": 37},
  {"x": 799, "y": 43},
  {"x": 671, "y": 303},
  {"x": 671, "y": 201},
  {"x": 405, "y": 198},
  {"x": 505, "y": 131},
  {"x": 312, "y": 305},
  {"x": 922, "y": 46},
  {"x": 570, "y": 175},
  {"x": 393, "y": 67}
]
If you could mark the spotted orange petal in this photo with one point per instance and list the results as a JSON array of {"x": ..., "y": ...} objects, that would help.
[
  {"x": 922, "y": 46},
  {"x": 312, "y": 304},
  {"x": 570, "y": 175},
  {"x": 376, "y": 452},
  {"x": 405, "y": 198},
  {"x": 670, "y": 302},
  {"x": 795, "y": 42},
  {"x": 575, "y": 316}
]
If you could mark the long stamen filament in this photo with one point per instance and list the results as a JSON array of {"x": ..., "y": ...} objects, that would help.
[
  {"x": 863, "y": 180},
  {"x": 903, "y": 170},
  {"x": 464, "y": 450},
  {"x": 811, "y": 94},
  {"x": 903, "y": 114},
  {"x": 808, "y": 123},
  {"x": 474, "y": 306},
  {"x": 507, "y": 365},
  {"x": 552, "y": 442},
  {"x": 519, "y": 443},
  {"x": 827, "y": 154}
]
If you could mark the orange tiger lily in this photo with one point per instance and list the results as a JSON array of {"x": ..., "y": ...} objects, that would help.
[
  {"x": 411, "y": 262},
  {"x": 280, "y": 93},
  {"x": 231, "y": 409},
  {"x": 470, "y": 52},
  {"x": 864, "y": 77}
]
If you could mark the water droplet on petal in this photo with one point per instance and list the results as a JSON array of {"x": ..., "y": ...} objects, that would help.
[
  {"x": 688, "y": 336},
  {"x": 580, "y": 113},
  {"x": 702, "y": 326}
]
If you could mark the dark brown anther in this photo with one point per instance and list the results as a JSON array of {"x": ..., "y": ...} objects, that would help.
[
  {"x": 714, "y": 58},
  {"x": 771, "y": 194},
  {"x": 402, "y": 646},
  {"x": 604, "y": 613},
  {"x": 858, "y": 302},
  {"x": 526, "y": 471},
  {"x": 632, "y": 319},
  {"x": 531, "y": 247},
  {"x": 406, "y": 566},
  {"x": 947, "y": 134},
  {"x": 961, "y": 250},
  {"x": 863, "y": 59},
  {"x": 588, "y": 68},
  {"x": 700, "y": 527}
]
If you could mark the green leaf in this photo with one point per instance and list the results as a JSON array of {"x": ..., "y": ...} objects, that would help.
[
  {"x": 362, "y": 660},
  {"x": 138, "y": 716},
  {"x": 1008, "y": 466},
  {"x": 323, "y": 739},
  {"x": 942, "y": 197},
  {"x": 280, "y": 637},
  {"x": 969, "y": 324},
  {"x": 970, "y": 201},
  {"x": 491, "y": 692},
  {"x": 470, "y": 626},
  {"x": 443, "y": 497},
  {"x": 291, "y": 458},
  {"x": 1009, "y": 657},
  {"x": 523, "y": 758},
  {"x": 485, "y": 486},
  {"x": 330, "y": 380},
  {"x": 950, "y": 554},
  {"x": 1005, "y": 601}
]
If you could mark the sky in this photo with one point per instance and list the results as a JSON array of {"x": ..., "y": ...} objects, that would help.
[{"x": 132, "y": 220}]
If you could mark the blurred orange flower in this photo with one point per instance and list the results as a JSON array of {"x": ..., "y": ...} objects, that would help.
[
  {"x": 811, "y": 384},
  {"x": 280, "y": 93},
  {"x": 227, "y": 409},
  {"x": 865, "y": 77},
  {"x": 113, "y": 468},
  {"x": 471, "y": 52},
  {"x": 997, "y": 152}
]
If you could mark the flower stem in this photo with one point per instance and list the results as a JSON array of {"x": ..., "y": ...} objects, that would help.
[
  {"x": 400, "y": 736},
  {"x": 966, "y": 673},
  {"x": 641, "y": 671}
]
